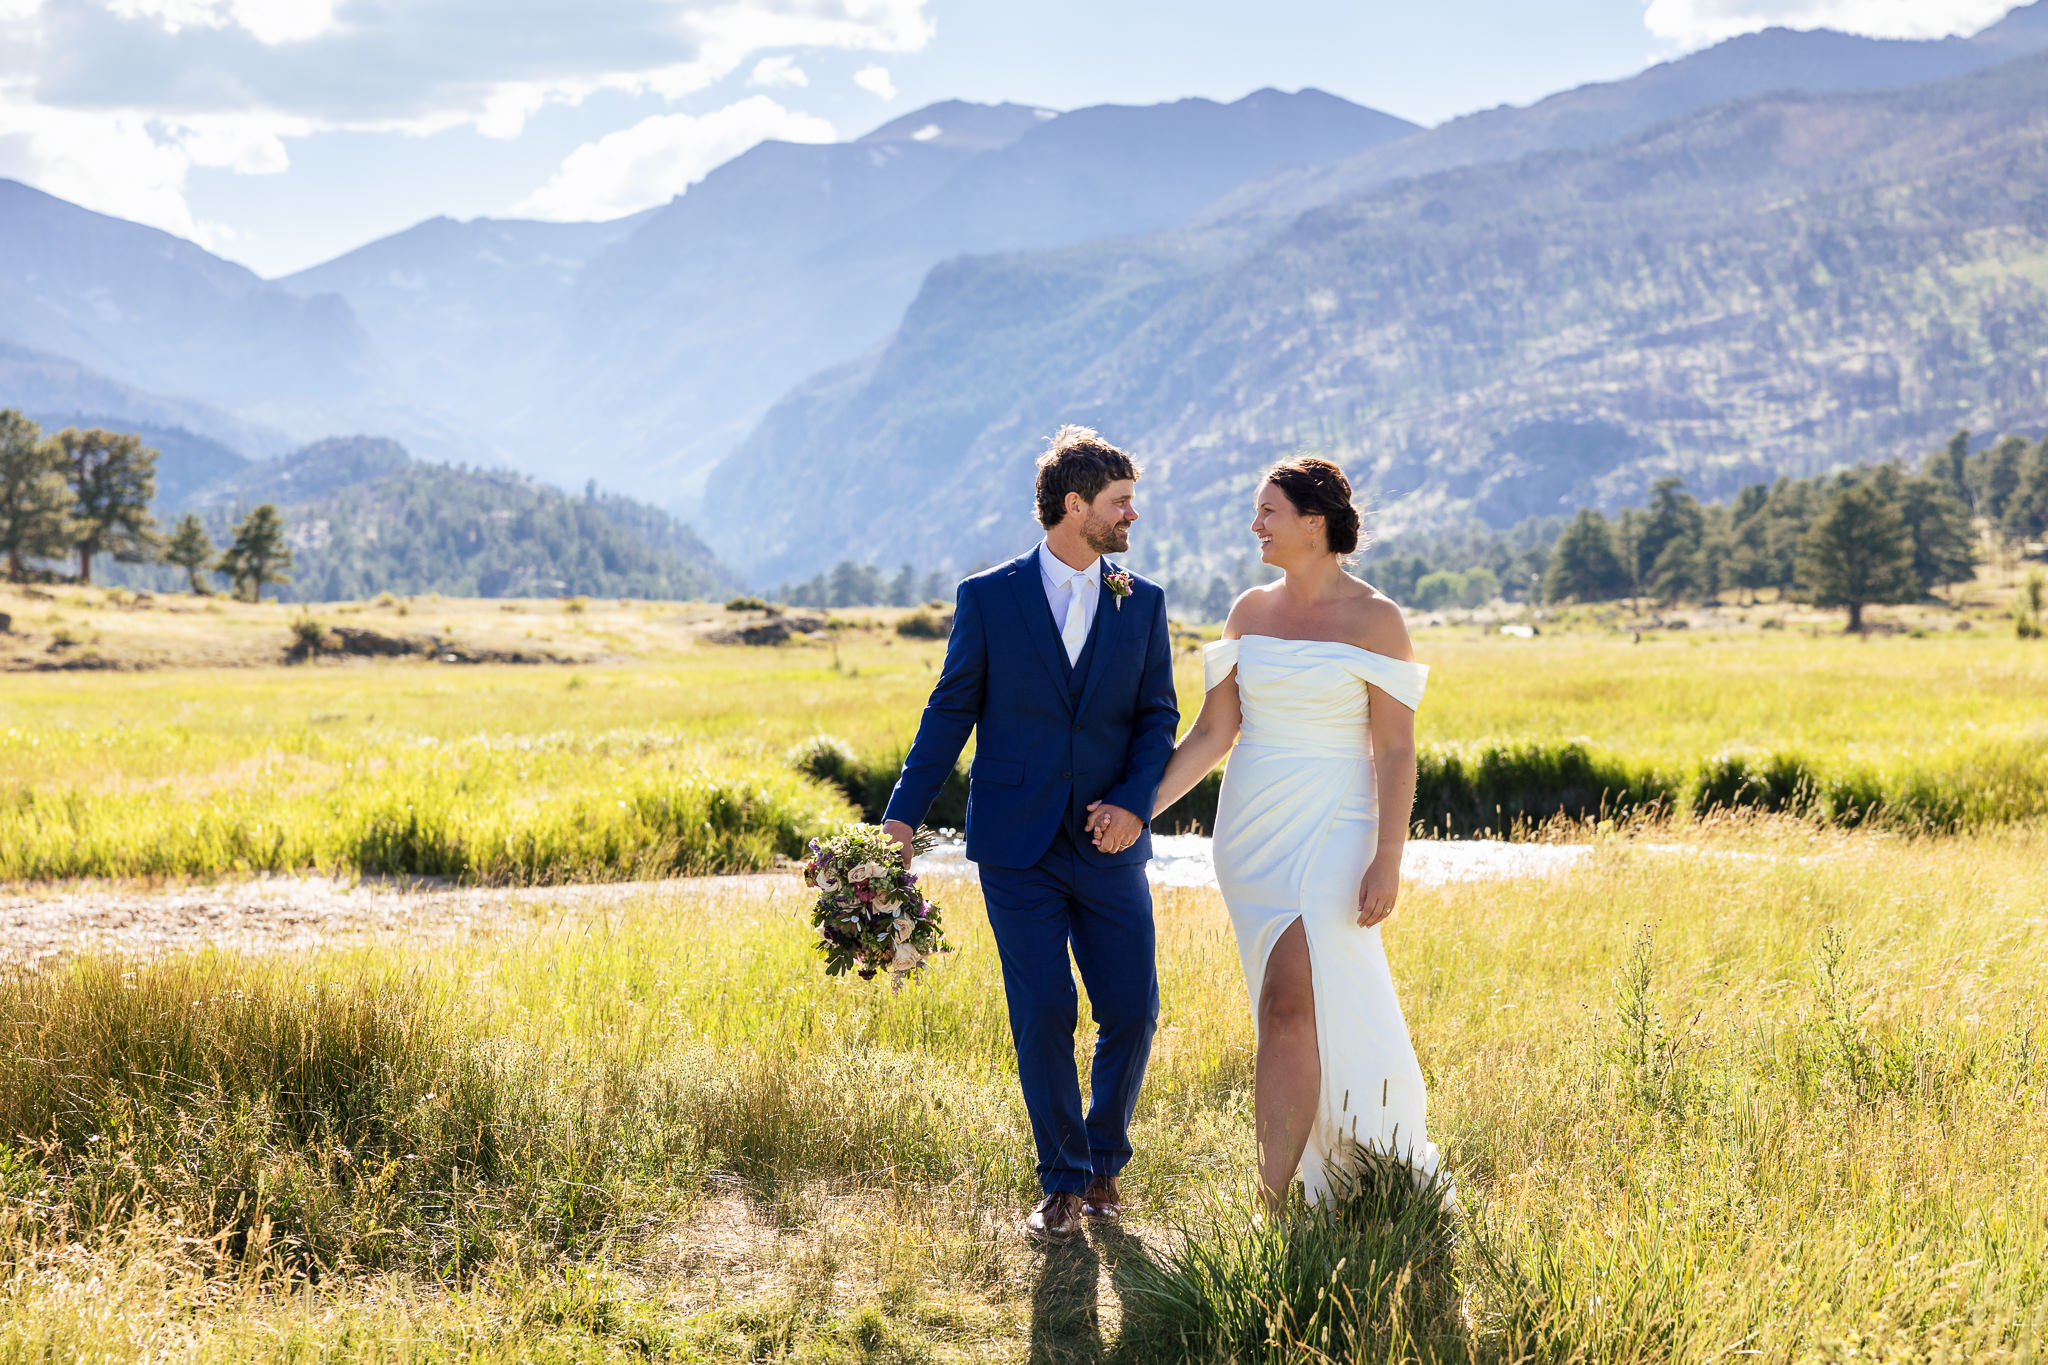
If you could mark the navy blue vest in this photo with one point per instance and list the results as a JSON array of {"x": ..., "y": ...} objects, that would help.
[{"x": 1077, "y": 671}]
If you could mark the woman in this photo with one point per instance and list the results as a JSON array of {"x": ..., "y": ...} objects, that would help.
[{"x": 1315, "y": 681}]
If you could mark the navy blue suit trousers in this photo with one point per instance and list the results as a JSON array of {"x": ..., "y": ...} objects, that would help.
[{"x": 1052, "y": 737}]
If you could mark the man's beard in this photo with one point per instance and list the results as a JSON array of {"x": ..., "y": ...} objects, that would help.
[{"x": 1107, "y": 537}]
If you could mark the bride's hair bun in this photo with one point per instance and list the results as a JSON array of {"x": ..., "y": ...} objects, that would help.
[{"x": 1317, "y": 488}]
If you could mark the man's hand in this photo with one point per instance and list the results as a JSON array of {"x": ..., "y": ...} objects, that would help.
[
  {"x": 1113, "y": 828},
  {"x": 903, "y": 835},
  {"x": 1379, "y": 888}
]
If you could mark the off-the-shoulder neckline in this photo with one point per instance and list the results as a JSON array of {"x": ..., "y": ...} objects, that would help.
[{"x": 1340, "y": 644}]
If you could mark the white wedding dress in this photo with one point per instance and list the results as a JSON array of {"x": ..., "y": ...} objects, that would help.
[{"x": 1295, "y": 828}]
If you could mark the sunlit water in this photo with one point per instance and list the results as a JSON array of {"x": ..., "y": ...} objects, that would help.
[{"x": 1189, "y": 860}]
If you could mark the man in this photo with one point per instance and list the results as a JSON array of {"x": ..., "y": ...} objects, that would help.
[{"x": 1062, "y": 663}]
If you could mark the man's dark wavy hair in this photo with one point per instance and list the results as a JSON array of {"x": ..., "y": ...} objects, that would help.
[{"x": 1077, "y": 460}]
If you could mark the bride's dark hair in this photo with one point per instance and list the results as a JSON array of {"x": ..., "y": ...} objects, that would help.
[{"x": 1318, "y": 488}]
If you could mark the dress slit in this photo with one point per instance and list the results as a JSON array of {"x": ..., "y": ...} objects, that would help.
[{"x": 1296, "y": 824}]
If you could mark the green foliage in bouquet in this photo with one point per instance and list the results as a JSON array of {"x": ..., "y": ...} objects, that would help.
[{"x": 870, "y": 915}]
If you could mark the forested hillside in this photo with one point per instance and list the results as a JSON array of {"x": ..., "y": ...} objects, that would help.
[
  {"x": 1778, "y": 285},
  {"x": 363, "y": 517}
]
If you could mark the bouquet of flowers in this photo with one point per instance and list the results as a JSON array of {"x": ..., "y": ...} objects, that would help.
[{"x": 870, "y": 915}]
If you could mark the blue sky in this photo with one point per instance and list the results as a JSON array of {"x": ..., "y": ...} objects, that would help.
[{"x": 282, "y": 132}]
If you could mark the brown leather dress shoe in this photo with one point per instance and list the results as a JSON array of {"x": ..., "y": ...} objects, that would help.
[
  {"x": 1057, "y": 1217},
  {"x": 1104, "y": 1199}
]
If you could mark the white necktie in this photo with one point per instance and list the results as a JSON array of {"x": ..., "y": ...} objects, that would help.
[{"x": 1074, "y": 633}]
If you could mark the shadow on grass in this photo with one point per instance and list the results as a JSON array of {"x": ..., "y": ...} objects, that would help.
[{"x": 1066, "y": 1319}]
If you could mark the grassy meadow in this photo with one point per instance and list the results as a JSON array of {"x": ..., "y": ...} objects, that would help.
[
  {"x": 1740, "y": 1085},
  {"x": 668, "y": 754},
  {"x": 1766, "y": 1092}
]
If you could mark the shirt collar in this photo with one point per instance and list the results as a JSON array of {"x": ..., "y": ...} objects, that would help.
[{"x": 1057, "y": 570}]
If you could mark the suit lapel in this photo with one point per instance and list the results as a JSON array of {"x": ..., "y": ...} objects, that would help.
[
  {"x": 1029, "y": 594},
  {"x": 1108, "y": 628}
]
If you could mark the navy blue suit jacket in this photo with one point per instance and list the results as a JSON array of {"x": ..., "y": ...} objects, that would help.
[{"x": 1044, "y": 752}]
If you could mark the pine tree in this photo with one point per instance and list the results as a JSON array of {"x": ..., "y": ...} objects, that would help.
[
  {"x": 258, "y": 555},
  {"x": 1950, "y": 466},
  {"x": 1940, "y": 528},
  {"x": 1858, "y": 552},
  {"x": 1995, "y": 476},
  {"x": 2026, "y": 514},
  {"x": 113, "y": 480},
  {"x": 1748, "y": 565},
  {"x": 1667, "y": 552},
  {"x": 35, "y": 503},
  {"x": 191, "y": 549},
  {"x": 1584, "y": 566},
  {"x": 1790, "y": 512}
]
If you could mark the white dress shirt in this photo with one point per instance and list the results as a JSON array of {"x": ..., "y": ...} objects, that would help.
[{"x": 1070, "y": 589}]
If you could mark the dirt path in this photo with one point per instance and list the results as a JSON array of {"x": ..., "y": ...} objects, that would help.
[
  {"x": 276, "y": 914},
  {"x": 286, "y": 913}
]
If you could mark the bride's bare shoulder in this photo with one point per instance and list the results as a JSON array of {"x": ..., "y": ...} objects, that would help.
[
  {"x": 1373, "y": 620},
  {"x": 1247, "y": 611}
]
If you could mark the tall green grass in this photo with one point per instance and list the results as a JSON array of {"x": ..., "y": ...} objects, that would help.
[
  {"x": 1504, "y": 787},
  {"x": 1775, "y": 1090},
  {"x": 472, "y": 812}
]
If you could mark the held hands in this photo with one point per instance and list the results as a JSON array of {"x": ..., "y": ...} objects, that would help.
[
  {"x": 1379, "y": 888},
  {"x": 903, "y": 835},
  {"x": 1113, "y": 828}
]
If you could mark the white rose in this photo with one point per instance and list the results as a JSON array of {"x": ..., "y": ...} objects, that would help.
[
  {"x": 827, "y": 882},
  {"x": 888, "y": 906},
  {"x": 904, "y": 926},
  {"x": 907, "y": 958}
]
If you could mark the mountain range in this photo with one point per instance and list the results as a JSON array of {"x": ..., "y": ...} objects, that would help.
[
  {"x": 1790, "y": 250},
  {"x": 1776, "y": 285}
]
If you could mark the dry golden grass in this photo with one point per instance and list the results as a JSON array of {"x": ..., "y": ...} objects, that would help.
[{"x": 1759, "y": 1091}]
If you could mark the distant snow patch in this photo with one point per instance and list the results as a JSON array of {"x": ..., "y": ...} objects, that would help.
[{"x": 926, "y": 133}]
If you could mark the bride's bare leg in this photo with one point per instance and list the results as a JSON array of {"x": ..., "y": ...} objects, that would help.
[{"x": 1289, "y": 1079}]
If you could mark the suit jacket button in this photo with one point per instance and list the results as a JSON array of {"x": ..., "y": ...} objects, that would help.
[
  {"x": 1077, "y": 729},
  {"x": 1065, "y": 773}
]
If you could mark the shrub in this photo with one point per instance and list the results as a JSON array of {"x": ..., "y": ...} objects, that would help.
[
  {"x": 925, "y": 624},
  {"x": 1496, "y": 788},
  {"x": 1435, "y": 591},
  {"x": 1746, "y": 780},
  {"x": 868, "y": 782},
  {"x": 1477, "y": 587},
  {"x": 307, "y": 637},
  {"x": 746, "y": 604}
]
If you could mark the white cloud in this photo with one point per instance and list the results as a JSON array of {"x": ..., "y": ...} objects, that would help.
[
  {"x": 111, "y": 102},
  {"x": 116, "y": 164},
  {"x": 661, "y": 156},
  {"x": 774, "y": 71},
  {"x": 267, "y": 21},
  {"x": 1706, "y": 21},
  {"x": 875, "y": 80}
]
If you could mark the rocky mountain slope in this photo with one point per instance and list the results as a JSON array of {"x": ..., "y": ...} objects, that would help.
[
  {"x": 1776, "y": 284},
  {"x": 641, "y": 352}
]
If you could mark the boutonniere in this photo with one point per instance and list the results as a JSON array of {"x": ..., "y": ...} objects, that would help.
[{"x": 1118, "y": 581}]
